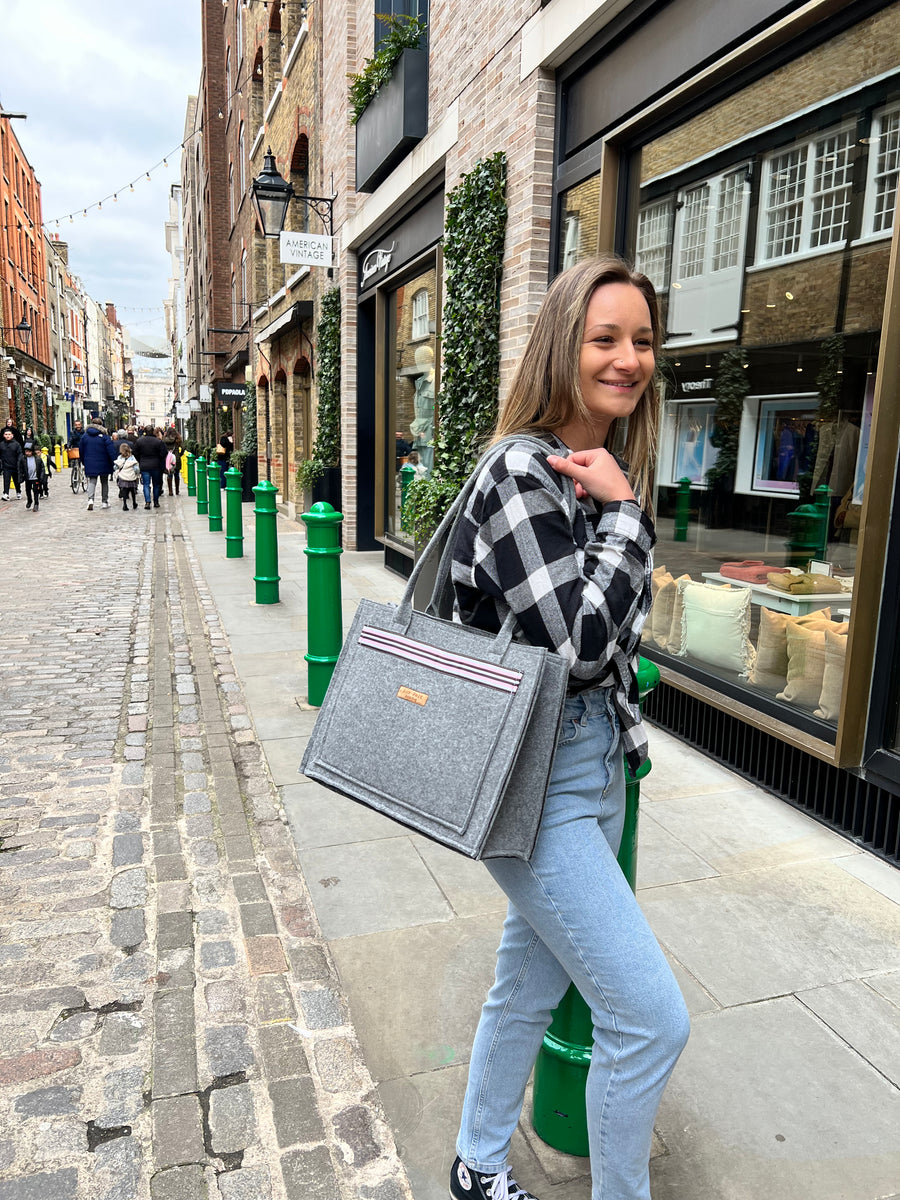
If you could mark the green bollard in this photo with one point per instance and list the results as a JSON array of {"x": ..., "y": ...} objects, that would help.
[
  {"x": 191, "y": 475},
  {"x": 560, "y": 1074},
  {"x": 234, "y": 536},
  {"x": 323, "y": 597},
  {"x": 214, "y": 501},
  {"x": 682, "y": 509},
  {"x": 202, "y": 489},
  {"x": 407, "y": 475},
  {"x": 266, "y": 577}
]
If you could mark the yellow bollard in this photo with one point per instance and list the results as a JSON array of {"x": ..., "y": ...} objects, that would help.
[
  {"x": 65, "y": 457},
  {"x": 56, "y": 457}
]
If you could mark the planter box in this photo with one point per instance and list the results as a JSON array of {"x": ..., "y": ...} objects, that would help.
[
  {"x": 393, "y": 122},
  {"x": 249, "y": 479},
  {"x": 328, "y": 488}
]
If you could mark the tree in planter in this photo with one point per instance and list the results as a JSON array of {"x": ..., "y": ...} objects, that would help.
[
  {"x": 470, "y": 357},
  {"x": 327, "y": 449},
  {"x": 732, "y": 387},
  {"x": 403, "y": 33}
]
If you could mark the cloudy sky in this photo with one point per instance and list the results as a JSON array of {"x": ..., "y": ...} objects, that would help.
[{"x": 105, "y": 86}]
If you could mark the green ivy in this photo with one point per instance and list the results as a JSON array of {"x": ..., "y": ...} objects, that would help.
[
  {"x": 17, "y": 404},
  {"x": 249, "y": 434},
  {"x": 403, "y": 33},
  {"x": 470, "y": 356},
  {"x": 732, "y": 386},
  {"x": 828, "y": 381},
  {"x": 327, "y": 449}
]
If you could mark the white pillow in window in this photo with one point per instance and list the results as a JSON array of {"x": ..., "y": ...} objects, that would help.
[{"x": 715, "y": 626}]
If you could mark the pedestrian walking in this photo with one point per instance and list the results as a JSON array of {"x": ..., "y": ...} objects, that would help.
[
  {"x": 577, "y": 576},
  {"x": 12, "y": 460},
  {"x": 150, "y": 451},
  {"x": 174, "y": 452},
  {"x": 47, "y": 457},
  {"x": 34, "y": 476},
  {"x": 127, "y": 474},
  {"x": 97, "y": 458},
  {"x": 224, "y": 451},
  {"x": 10, "y": 424}
]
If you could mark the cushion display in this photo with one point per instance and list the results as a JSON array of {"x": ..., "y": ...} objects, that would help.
[
  {"x": 832, "y": 676},
  {"x": 673, "y": 644},
  {"x": 750, "y": 570},
  {"x": 662, "y": 587},
  {"x": 806, "y": 664},
  {"x": 715, "y": 625},
  {"x": 771, "y": 666}
]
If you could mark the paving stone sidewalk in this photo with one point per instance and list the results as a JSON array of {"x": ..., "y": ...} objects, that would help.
[{"x": 171, "y": 1025}]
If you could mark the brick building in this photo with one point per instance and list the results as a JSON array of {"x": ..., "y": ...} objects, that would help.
[{"x": 25, "y": 365}]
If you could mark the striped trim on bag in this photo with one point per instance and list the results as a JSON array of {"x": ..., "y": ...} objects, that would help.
[{"x": 473, "y": 669}]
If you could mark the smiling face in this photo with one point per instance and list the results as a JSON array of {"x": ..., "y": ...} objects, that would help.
[{"x": 617, "y": 360}]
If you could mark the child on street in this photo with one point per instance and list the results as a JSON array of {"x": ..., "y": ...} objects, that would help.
[
  {"x": 34, "y": 476},
  {"x": 47, "y": 458},
  {"x": 127, "y": 473}
]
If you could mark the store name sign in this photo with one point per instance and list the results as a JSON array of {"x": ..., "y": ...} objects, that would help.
[
  {"x": 306, "y": 249},
  {"x": 377, "y": 260},
  {"x": 697, "y": 385}
]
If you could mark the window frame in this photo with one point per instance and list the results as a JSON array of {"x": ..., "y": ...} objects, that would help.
[{"x": 806, "y": 198}]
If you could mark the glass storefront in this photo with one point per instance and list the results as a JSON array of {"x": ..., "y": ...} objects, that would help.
[
  {"x": 410, "y": 390},
  {"x": 765, "y": 223}
]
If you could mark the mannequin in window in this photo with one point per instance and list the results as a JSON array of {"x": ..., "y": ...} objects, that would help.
[{"x": 422, "y": 427}]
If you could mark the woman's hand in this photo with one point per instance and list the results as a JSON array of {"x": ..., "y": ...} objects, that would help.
[{"x": 596, "y": 474}]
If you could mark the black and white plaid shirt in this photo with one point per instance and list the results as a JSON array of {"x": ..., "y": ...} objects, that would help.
[{"x": 578, "y": 582}]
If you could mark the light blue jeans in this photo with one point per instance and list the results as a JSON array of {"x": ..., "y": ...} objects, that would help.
[{"x": 572, "y": 916}]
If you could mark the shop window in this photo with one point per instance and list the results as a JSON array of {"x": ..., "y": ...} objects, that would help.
[
  {"x": 807, "y": 195},
  {"x": 769, "y": 375},
  {"x": 572, "y": 235},
  {"x": 579, "y": 228},
  {"x": 411, "y": 391},
  {"x": 884, "y": 171}
]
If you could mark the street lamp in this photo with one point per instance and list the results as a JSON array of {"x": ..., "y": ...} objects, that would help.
[
  {"x": 23, "y": 329},
  {"x": 271, "y": 195}
]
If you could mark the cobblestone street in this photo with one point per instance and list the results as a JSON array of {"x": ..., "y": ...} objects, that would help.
[{"x": 170, "y": 1022}]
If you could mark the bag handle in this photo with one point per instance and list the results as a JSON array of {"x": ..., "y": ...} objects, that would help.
[{"x": 441, "y": 544}]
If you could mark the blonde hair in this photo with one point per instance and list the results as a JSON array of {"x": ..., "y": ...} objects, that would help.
[{"x": 545, "y": 394}]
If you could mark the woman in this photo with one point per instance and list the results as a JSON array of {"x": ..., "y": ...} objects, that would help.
[{"x": 580, "y": 586}]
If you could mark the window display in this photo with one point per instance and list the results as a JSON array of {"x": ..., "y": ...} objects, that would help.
[
  {"x": 411, "y": 395},
  {"x": 766, "y": 228}
]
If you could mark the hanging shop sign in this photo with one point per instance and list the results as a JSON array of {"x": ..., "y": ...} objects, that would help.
[
  {"x": 231, "y": 393},
  {"x": 306, "y": 249},
  {"x": 182, "y": 411}
]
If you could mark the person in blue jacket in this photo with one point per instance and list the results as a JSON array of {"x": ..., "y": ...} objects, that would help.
[{"x": 98, "y": 458}]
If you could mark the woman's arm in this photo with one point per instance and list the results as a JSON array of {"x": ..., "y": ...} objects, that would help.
[{"x": 518, "y": 545}]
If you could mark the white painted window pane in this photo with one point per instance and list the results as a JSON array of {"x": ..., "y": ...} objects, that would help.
[
  {"x": 887, "y": 169},
  {"x": 729, "y": 217},
  {"x": 784, "y": 202},
  {"x": 420, "y": 314},
  {"x": 831, "y": 189},
  {"x": 693, "y": 232},
  {"x": 653, "y": 256}
]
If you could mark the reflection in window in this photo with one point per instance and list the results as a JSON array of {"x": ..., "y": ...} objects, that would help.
[
  {"x": 411, "y": 395},
  {"x": 572, "y": 240},
  {"x": 654, "y": 242},
  {"x": 420, "y": 319},
  {"x": 695, "y": 205},
  {"x": 808, "y": 195},
  {"x": 885, "y": 169}
]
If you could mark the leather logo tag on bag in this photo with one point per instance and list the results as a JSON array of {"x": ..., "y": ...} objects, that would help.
[{"x": 406, "y": 693}]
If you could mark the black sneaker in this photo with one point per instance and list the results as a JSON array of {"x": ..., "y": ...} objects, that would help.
[
  {"x": 472, "y": 1185},
  {"x": 28, "y": 505}
]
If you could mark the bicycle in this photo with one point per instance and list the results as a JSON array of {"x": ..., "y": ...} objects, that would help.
[{"x": 77, "y": 479}]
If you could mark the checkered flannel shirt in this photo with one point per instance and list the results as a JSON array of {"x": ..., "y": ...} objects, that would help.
[{"x": 578, "y": 583}]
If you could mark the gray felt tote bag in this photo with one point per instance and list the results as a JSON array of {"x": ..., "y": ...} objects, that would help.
[{"x": 449, "y": 730}]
